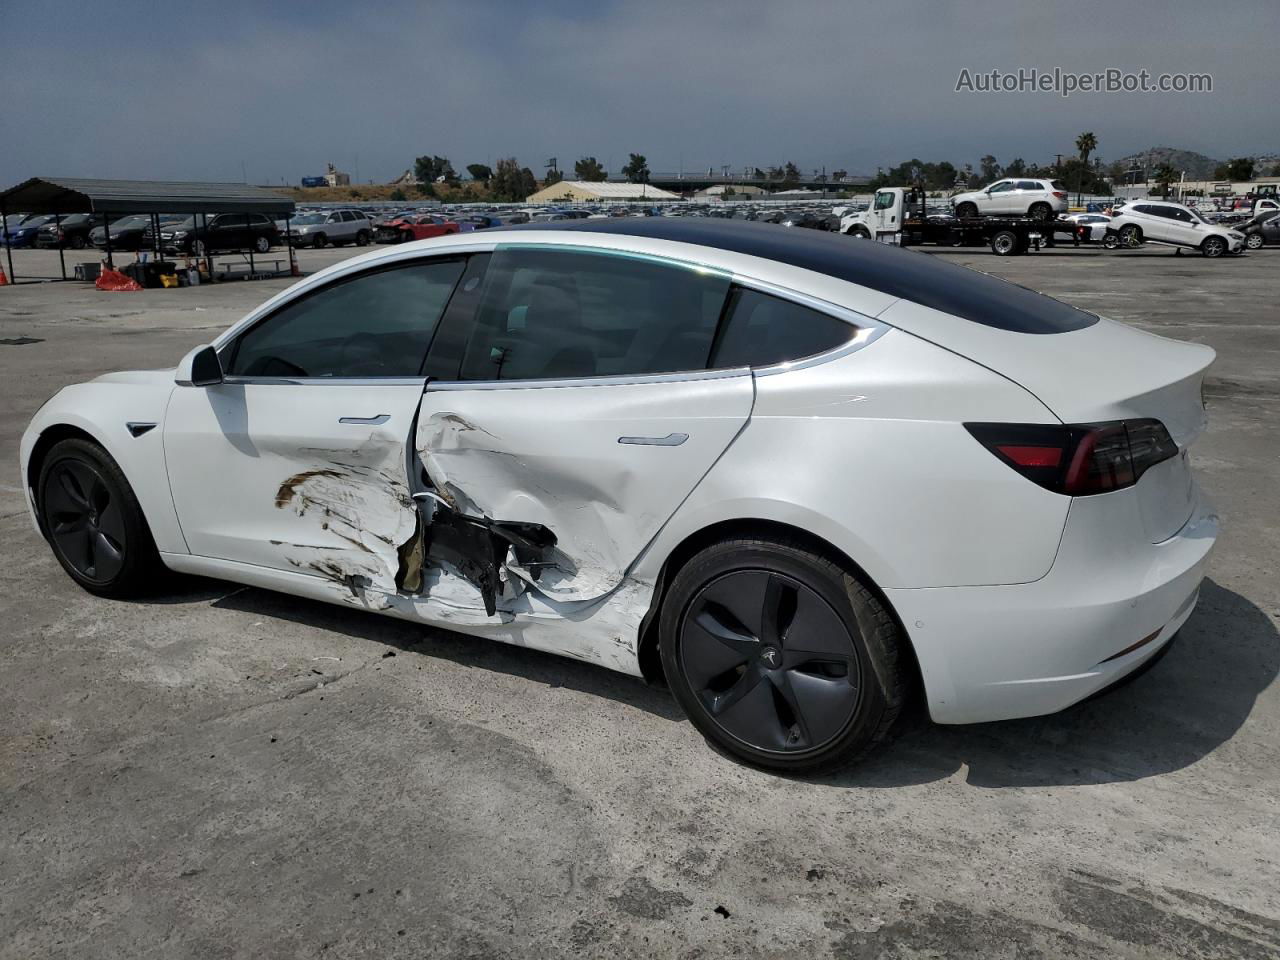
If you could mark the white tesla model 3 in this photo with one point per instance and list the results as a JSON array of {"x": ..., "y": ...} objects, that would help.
[{"x": 786, "y": 474}]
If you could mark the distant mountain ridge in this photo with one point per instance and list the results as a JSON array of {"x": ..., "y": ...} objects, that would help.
[{"x": 1197, "y": 165}]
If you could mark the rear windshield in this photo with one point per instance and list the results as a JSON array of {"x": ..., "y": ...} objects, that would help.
[{"x": 1057, "y": 185}]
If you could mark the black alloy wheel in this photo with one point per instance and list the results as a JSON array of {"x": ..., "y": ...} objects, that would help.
[
  {"x": 770, "y": 650},
  {"x": 771, "y": 662},
  {"x": 93, "y": 522}
]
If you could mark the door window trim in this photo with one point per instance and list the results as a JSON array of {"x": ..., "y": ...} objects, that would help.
[
  {"x": 232, "y": 344},
  {"x": 868, "y": 330}
]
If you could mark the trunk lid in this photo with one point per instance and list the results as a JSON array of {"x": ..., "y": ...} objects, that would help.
[{"x": 1106, "y": 371}]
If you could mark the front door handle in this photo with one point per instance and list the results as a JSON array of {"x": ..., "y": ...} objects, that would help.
[
  {"x": 367, "y": 421},
  {"x": 670, "y": 440}
]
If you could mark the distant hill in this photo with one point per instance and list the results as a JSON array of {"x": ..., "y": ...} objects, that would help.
[{"x": 1197, "y": 165}]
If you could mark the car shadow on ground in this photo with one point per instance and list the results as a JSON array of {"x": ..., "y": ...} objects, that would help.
[{"x": 1187, "y": 705}]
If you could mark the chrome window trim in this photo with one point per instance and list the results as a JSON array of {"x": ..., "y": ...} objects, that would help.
[
  {"x": 679, "y": 376},
  {"x": 330, "y": 381}
]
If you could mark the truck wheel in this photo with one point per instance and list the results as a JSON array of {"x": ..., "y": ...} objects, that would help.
[
  {"x": 1006, "y": 243},
  {"x": 967, "y": 209},
  {"x": 1131, "y": 235},
  {"x": 1213, "y": 247},
  {"x": 1040, "y": 211},
  {"x": 859, "y": 232}
]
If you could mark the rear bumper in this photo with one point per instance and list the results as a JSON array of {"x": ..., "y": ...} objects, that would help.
[{"x": 1102, "y": 611}]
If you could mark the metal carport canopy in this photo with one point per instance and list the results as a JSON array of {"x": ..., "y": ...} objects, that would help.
[{"x": 73, "y": 195}]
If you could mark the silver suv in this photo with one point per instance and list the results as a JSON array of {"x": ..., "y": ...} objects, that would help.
[
  {"x": 338, "y": 227},
  {"x": 1014, "y": 197}
]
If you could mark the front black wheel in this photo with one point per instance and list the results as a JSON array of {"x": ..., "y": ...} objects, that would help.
[
  {"x": 93, "y": 521},
  {"x": 779, "y": 656}
]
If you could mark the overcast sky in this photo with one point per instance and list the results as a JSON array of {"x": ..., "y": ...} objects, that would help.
[{"x": 276, "y": 89}]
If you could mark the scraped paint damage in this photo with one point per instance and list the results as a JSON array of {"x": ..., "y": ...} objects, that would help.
[{"x": 437, "y": 556}]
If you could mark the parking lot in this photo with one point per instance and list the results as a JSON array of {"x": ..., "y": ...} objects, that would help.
[{"x": 223, "y": 771}]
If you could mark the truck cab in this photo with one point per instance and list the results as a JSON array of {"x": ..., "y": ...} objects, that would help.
[{"x": 883, "y": 218}]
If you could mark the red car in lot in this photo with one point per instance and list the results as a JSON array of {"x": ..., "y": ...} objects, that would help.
[{"x": 415, "y": 227}]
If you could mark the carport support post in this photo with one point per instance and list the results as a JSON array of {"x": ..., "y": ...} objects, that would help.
[
  {"x": 208, "y": 248},
  {"x": 248, "y": 228},
  {"x": 8, "y": 247},
  {"x": 62, "y": 255},
  {"x": 288, "y": 240},
  {"x": 106, "y": 232}
]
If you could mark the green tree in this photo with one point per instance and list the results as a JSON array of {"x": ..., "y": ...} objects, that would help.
[
  {"x": 790, "y": 176},
  {"x": 399, "y": 195},
  {"x": 479, "y": 171},
  {"x": 1239, "y": 168},
  {"x": 990, "y": 168},
  {"x": 1017, "y": 167},
  {"x": 430, "y": 169},
  {"x": 1164, "y": 175},
  {"x": 757, "y": 174},
  {"x": 589, "y": 169},
  {"x": 1086, "y": 143},
  {"x": 1275, "y": 171},
  {"x": 553, "y": 176},
  {"x": 506, "y": 185},
  {"x": 637, "y": 169},
  {"x": 528, "y": 183}
]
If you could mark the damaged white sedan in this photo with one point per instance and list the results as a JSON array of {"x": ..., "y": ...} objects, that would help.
[{"x": 788, "y": 475}]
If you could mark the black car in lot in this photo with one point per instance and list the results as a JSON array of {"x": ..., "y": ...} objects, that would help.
[
  {"x": 71, "y": 230},
  {"x": 131, "y": 232},
  {"x": 222, "y": 232},
  {"x": 1262, "y": 230}
]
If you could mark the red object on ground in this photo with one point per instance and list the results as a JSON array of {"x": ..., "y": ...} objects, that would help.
[
  {"x": 4, "y": 280},
  {"x": 116, "y": 282}
]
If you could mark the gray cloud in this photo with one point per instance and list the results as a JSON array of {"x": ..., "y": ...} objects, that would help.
[{"x": 116, "y": 91}]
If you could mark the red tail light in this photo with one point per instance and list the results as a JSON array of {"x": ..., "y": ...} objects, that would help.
[
  {"x": 1079, "y": 459},
  {"x": 1060, "y": 196}
]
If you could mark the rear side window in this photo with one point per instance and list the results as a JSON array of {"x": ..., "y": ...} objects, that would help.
[
  {"x": 1029, "y": 185},
  {"x": 760, "y": 330},
  {"x": 374, "y": 325},
  {"x": 564, "y": 314}
]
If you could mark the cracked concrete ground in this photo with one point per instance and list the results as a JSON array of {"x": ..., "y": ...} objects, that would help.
[{"x": 227, "y": 772}]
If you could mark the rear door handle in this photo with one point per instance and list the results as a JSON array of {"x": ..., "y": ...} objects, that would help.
[
  {"x": 670, "y": 440},
  {"x": 367, "y": 421}
]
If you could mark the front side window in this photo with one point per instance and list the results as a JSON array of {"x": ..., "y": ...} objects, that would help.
[
  {"x": 374, "y": 325},
  {"x": 564, "y": 314},
  {"x": 884, "y": 200},
  {"x": 761, "y": 330}
]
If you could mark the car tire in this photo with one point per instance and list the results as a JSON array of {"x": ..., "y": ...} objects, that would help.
[
  {"x": 77, "y": 243},
  {"x": 1254, "y": 241},
  {"x": 966, "y": 209},
  {"x": 1130, "y": 235},
  {"x": 362, "y": 238},
  {"x": 1006, "y": 243},
  {"x": 1040, "y": 212},
  {"x": 1213, "y": 247},
  {"x": 1111, "y": 241},
  {"x": 92, "y": 520},
  {"x": 262, "y": 244},
  {"x": 779, "y": 656},
  {"x": 318, "y": 241}
]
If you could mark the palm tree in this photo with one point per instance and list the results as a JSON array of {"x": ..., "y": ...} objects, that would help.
[
  {"x": 1086, "y": 143},
  {"x": 1164, "y": 175}
]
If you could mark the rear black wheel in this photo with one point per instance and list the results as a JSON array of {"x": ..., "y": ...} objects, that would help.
[
  {"x": 1040, "y": 211},
  {"x": 1006, "y": 243},
  {"x": 779, "y": 656},
  {"x": 93, "y": 521},
  {"x": 967, "y": 209},
  {"x": 1130, "y": 235}
]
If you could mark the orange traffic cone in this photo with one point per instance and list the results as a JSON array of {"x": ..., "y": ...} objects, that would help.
[
  {"x": 293, "y": 265},
  {"x": 4, "y": 280}
]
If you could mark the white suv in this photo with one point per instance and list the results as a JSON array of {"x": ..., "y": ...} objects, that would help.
[
  {"x": 1038, "y": 199},
  {"x": 1172, "y": 223}
]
